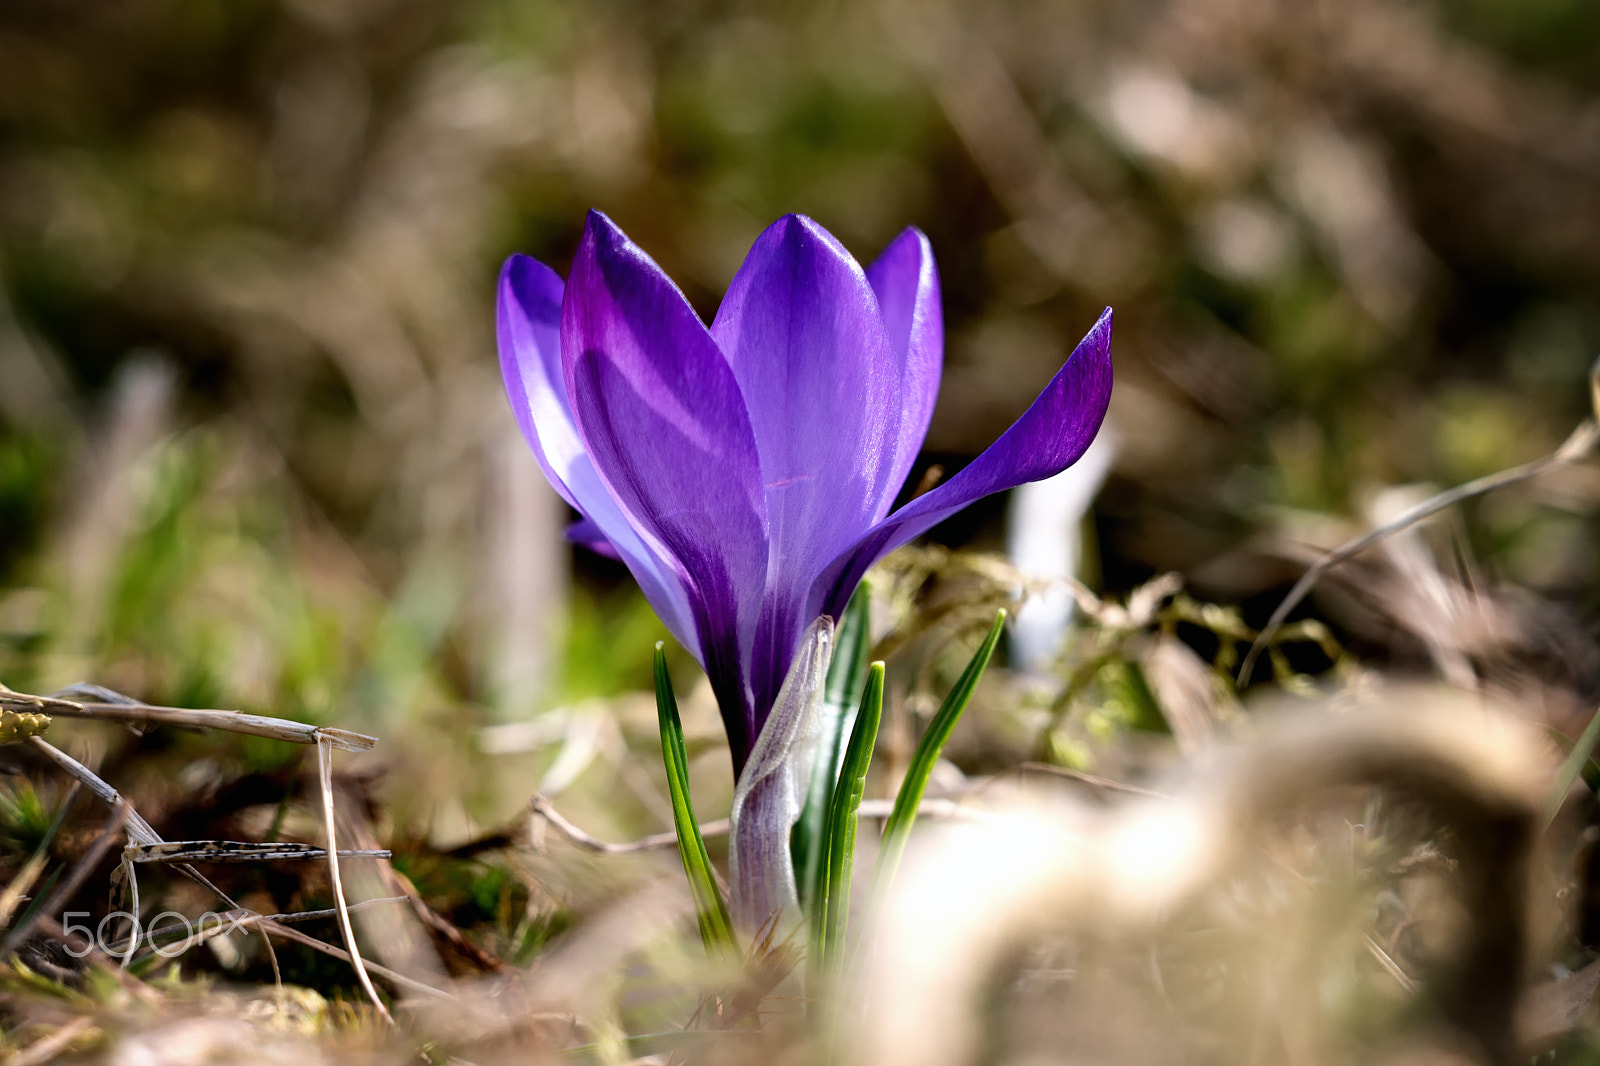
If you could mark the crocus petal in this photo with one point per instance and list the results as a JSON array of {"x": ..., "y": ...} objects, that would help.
[
  {"x": 588, "y": 534},
  {"x": 1048, "y": 438},
  {"x": 528, "y": 321},
  {"x": 661, "y": 416},
  {"x": 800, "y": 327},
  {"x": 907, "y": 286},
  {"x": 529, "y": 326}
]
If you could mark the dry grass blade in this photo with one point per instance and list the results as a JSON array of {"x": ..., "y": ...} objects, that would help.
[
  {"x": 1392, "y": 968},
  {"x": 325, "y": 772},
  {"x": 542, "y": 807},
  {"x": 399, "y": 980},
  {"x": 872, "y": 808},
  {"x": 140, "y": 832},
  {"x": 1574, "y": 448},
  {"x": 239, "y": 851},
  {"x": 102, "y": 962},
  {"x": 1099, "y": 784},
  {"x": 238, "y": 919},
  {"x": 442, "y": 927},
  {"x": 107, "y": 705}
]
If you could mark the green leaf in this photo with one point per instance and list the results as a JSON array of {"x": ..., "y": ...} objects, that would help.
[
  {"x": 847, "y": 678},
  {"x": 715, "y": 929},
  {"x": 1571, "y": 767},
  {"x": 898, "y": 828},
  {"x": 833, "y": 888}
]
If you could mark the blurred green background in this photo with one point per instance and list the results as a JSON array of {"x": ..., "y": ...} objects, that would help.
[{"x": 253, "y": 450}]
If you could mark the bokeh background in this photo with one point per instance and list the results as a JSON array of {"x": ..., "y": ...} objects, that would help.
[{"x": 253, "y": 449}]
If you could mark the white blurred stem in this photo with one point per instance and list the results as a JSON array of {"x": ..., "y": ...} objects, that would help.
[{"x": 1044, "y": 541}]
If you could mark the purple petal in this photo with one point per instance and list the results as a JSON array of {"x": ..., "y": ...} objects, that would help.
[
  {"x": 662, "y": 419},
  {"x": 800, "y": 327},
  {"x": 587, "y": 532},
  {"x": 1048, "y": 438},
  {"x": 528, "y": 318},
  {"x": 529, "y": 326},
  {"x": 907, "y": 286}
]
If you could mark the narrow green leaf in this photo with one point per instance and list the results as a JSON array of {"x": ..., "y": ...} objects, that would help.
[
  {"x": 833, "y": 890},
  {"x": 847, "y": 677},
  {"x": 847, "y": 674},
  {"x": 715, "y": 929},
  {"x": 40, "y": 895},
  {"x": 1570, "y": 769},
  {"x": 898, "y": 828}
]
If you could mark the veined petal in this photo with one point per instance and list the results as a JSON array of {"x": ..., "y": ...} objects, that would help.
[
  {"x": 662, "y": 418},
  {"x": 801, "y": 328},
  {"x": 528, "y": 319},
  {"x": 906, "y": 283},
  {"x": 1048, "y": 438}
]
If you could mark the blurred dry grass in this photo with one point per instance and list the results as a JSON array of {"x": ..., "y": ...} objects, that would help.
[{"x": 253, "y": 454}]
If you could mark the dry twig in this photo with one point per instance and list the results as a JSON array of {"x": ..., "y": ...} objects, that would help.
[
  {"x": 107, "y": 705},
  {"x": 1576, "y": 446},
  {"x": 873, "y": 808}
]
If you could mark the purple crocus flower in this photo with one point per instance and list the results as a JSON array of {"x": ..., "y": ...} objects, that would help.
[{"x": 744, "y": 473}]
